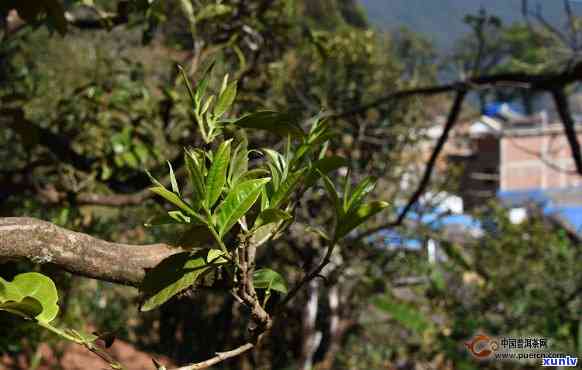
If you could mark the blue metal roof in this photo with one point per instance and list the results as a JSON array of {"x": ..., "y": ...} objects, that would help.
[
  {"x": 518, "y": 198},
  {"x": 494, "y": 109},
  {"x": 394, "y": 239},
  {"x": 570, "y": 212}
]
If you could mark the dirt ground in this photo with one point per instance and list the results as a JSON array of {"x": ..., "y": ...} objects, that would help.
[{"x": 78, "y": 358}]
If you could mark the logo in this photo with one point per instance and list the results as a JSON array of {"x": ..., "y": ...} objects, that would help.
[
  {"x": 560, "y": 361},
  {"x": 482, "y": 346}
]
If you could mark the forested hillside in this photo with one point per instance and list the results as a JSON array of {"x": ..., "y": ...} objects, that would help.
[{"x": 442, "y": 20}]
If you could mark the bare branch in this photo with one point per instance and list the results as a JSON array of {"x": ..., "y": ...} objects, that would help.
[
  {"x": 307, "y": 278},
  {"x": 563, "y": 108},
  {"x": 424, "y": 182},
  {"x": 540, "y": 18},
  {"x": 220, "y": 356},
  {"x": 572, "y": 25},
  {"x": 42, "y": 242}
]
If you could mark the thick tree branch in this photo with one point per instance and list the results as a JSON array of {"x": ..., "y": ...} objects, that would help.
[
  {"x": 42, "y": 242},
  {"x": 563, "y": 109},
  {"x": 543, "y": 81}
]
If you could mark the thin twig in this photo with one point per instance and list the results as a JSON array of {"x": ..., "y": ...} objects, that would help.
[
  {"x": 307, "y": 278},
  {"x": 424, "y": 182},
  {"x": 218, "y": 358}
]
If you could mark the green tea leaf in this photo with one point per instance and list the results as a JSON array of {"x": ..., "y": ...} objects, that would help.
[
  {"x": 324, "y": 165},
  {"x": 269, "y": 279},
  {"x": 217, "y": 174},
  {"x": 203, "y": 84},
  {"x": 287, "y": 187},
  {"x": 252, "y": 174},
  {"x": 28, "y": 307},
  {"x": 240, "y": 199},
  {"x": 332, "y": 193},
  {"x": 175, "y": 274},
  {"x": 271, "y": 215},
  {"x": 279, "y": 123},
  {"x": 30, "y": 285},
  {"x": 357, "y": 217},
  {"x": 262, "y": 234}
]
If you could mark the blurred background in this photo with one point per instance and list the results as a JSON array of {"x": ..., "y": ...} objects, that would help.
[{"x": 90, "y": 98}]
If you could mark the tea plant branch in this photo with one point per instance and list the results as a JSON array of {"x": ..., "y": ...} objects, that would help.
[
  {"x": 42, "y": 242},
  {"x": 308, "y": 277},
  {"x": 218, "y": 358},
  {"x": 244, "y": 292}
]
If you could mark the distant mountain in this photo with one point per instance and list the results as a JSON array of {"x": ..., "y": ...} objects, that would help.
[{"x": 442, "y": 20}]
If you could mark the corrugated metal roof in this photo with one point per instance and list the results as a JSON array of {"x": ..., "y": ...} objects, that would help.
[{"x": 563, "y": 204}]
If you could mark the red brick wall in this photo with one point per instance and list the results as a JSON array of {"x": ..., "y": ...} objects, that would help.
[{"x": 537, "y": 161}]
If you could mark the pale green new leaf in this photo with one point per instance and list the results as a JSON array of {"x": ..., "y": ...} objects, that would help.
[
  {"x": 153, "y": 179},
  {"x": 238, "y": 201},
  {"x": 213, "y": 10},
  {"x": 171, "y": 217},
  {"x": 188, "y": 11},
  {"x": 225, "y": 99},
  {"x": 175, "y": 274},
  {"x": 173, "y": 181},
  {"x": 239, "y": 164},
  {"x": 207, "y": 104},
  {"x": 34, "y": 286},
  {"x": 277, "y": 160},
  {"x": 269, "y": 279},
  {"x": 332, "y": 193},
  {"x": 186, "y": 78},
  {"x": 203, "y": 84},
  {"x": 275, "y": 175},
  {"x": 174, "y": 199},
  {"x": 347, "y": 190},
  {"x": 360, "y": 192},
  {"x": 217, "y": 174},
  {"x": 194, "y": 167}
]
